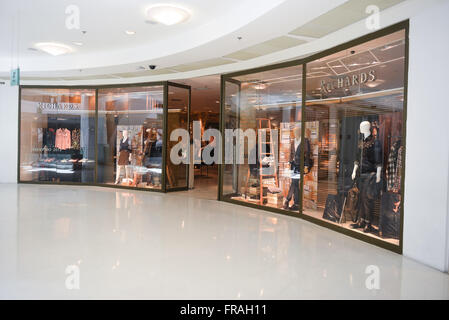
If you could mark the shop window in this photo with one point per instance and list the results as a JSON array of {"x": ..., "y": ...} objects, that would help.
[
  {"x": 57, "y": 135},
  {"x": 130, "y": 136},
  {"x": 354, "y": 121},
  {"x": 263, "y": 110}
]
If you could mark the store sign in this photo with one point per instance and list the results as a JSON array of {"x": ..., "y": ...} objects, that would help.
[
  {"x": 45, "y": 106},
  {"x": 348, "y": 81}
]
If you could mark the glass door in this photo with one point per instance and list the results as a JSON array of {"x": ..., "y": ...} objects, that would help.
[{"x": 177, "y": 146}]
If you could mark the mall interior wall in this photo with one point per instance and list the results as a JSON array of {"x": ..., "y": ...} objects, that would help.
[
  {"x": 426, "y": 214},
  {"x": 8, "y": 131}
]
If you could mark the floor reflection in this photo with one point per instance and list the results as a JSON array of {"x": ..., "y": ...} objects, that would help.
[{"x": 135, "y": 244}]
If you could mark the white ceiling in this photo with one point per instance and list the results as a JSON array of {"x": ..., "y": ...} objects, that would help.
[{"x": 209, "y": 40}]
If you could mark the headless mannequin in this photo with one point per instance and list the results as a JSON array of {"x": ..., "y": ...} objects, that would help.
[
  {"x": 121, "y": 167},
  {"x": 365, "y": 127}
]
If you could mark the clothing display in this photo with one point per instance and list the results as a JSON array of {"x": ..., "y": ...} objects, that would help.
[
  {"x": 368, "y": 194},
  {"x": 390, "y": 219},
  {"x": 49, "y": 138},
  {"x": 394, "y": 167},
  {"x": 63, "y": 139},
  {"x": 369, "y": 155},
  {"x": 152, "y": 153},
  {"x": 76, "y": 139},
  {"x": 295, "y": 162},
  {"x": 124, "y": 152}
]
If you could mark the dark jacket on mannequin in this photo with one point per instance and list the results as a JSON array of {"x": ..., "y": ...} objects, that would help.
[{"x": 369, "y": 155}]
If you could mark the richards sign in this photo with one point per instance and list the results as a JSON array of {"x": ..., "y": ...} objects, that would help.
[
  {"x": 46, "y": 106},
  {"x": 348, "y": 81}
]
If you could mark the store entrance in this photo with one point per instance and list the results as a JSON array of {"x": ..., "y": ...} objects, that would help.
[{"x": 205, "y": 110}]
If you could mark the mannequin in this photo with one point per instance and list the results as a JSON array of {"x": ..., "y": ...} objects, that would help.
[
  {"x": 295, "y": 159},
  {"x": 124, "y": 156},
  {"x": 365, "y": 129},
  {"x": 369, "y": 164}
]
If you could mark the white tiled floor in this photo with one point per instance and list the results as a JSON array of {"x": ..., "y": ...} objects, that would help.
[{"x": 135, "y": 244}]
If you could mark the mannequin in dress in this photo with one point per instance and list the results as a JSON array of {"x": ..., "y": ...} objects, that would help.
[
  {"x": 369, "y": 164},
  {"x": 124, "y": 155}
]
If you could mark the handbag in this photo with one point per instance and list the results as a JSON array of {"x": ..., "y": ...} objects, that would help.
[
  {"x": 390, "y": 215},
  {"x": 333, "y": 208},
  {"x": 352, "y": 202}
]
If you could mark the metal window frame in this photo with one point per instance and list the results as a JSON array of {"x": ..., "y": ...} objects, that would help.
[{"x": 404, "y": 25}]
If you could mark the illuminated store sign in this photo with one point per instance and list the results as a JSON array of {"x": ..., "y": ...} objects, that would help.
[{"x": 348, "y": 81}]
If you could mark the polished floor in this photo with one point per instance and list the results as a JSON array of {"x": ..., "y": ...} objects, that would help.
[{"x": 137, "y": 244}]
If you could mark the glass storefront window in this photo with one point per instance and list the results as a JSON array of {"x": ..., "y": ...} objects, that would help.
[
  {"x": 57, "y": 136},
  {"x": 130, "y": 136},
  {"x": 354, "y": 121},
  {"x": 266, "y": 108}
]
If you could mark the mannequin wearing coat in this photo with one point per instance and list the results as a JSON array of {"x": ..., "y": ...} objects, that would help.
[{"x": 369, "y": 165}]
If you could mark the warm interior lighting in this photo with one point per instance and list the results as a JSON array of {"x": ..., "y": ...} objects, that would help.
[
  {"x": 53, "y": 48},
  {"x": 167, "y": 14}
]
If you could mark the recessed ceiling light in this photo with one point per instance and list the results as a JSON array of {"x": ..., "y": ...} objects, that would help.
[
  {"x": 167, "y": 14},
  {"x": 130, "y": 33},
  {"x": 77, "y": 43},
  {"x": 53, "y": 48}
]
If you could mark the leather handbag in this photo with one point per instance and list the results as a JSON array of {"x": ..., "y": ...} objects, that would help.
[{"x": 352, "y": 202}]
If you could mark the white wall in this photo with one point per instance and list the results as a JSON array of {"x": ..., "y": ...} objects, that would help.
[
  {"x": 427, "y": 155},
  {"x": 8, "y": 131}
]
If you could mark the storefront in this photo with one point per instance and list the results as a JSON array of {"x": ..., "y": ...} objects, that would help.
[
  {"x": 329, "y": 134},
  {"x": 329, "y": 137},
  {"x": 108, "y": 136}
]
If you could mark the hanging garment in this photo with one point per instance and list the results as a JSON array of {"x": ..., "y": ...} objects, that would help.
[
  {"x": 394, "y": 166},
  {"x": 49, "y": 138},
  {"x": 76, "y": 139},
  {"x": 398, "y": 176},
  {"x": 63, "y": 139}
]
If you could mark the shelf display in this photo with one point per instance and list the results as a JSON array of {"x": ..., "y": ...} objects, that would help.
[{"x": 57, "y": 135}]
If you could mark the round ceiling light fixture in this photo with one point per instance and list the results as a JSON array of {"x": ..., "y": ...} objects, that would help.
[
  {"x": 53, "y": 48},
  {"x": 167, "y": 14}
]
